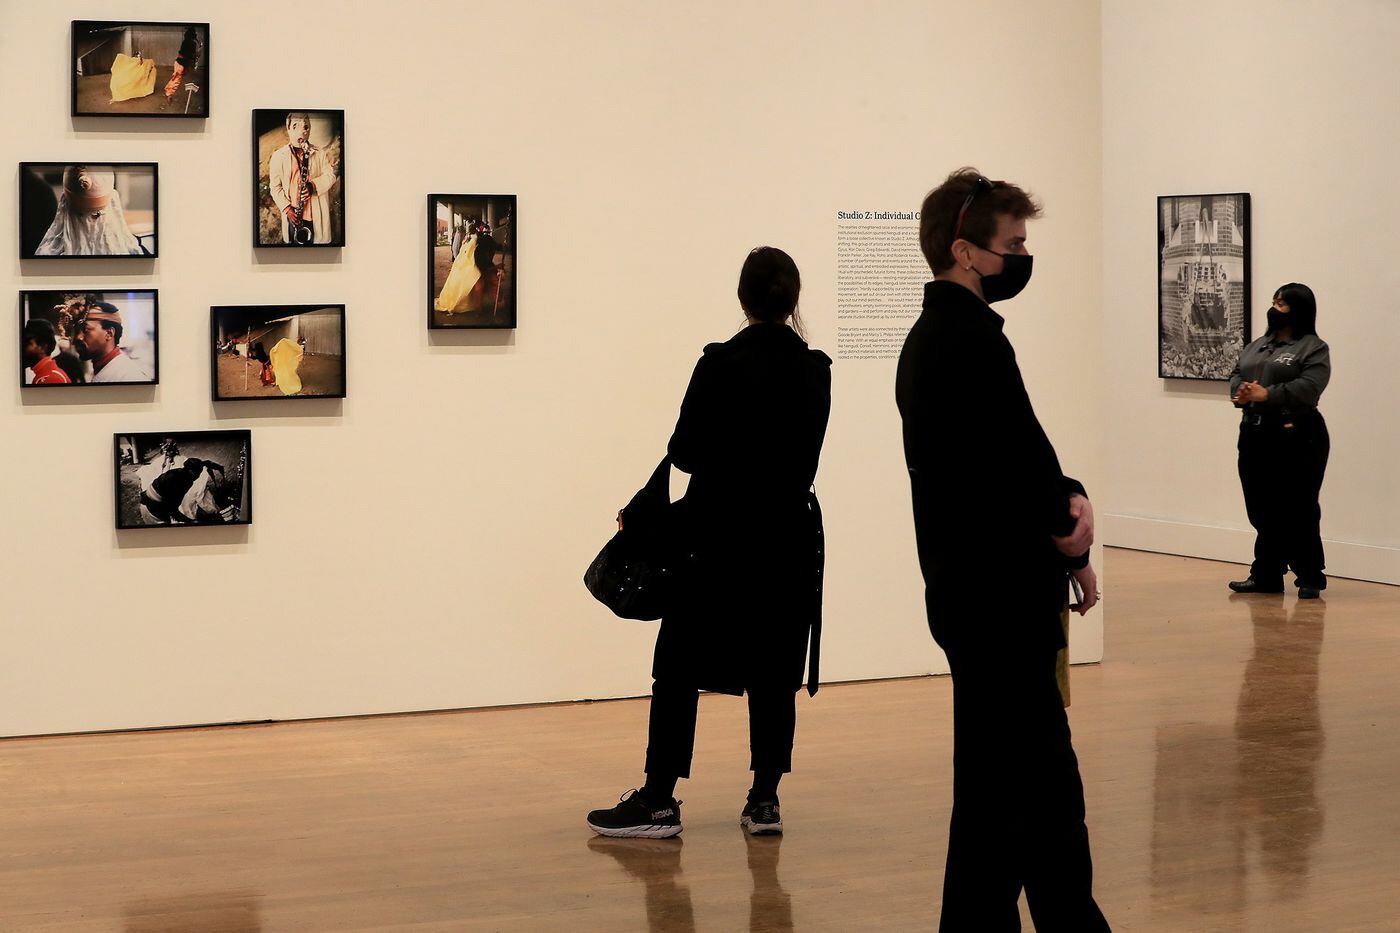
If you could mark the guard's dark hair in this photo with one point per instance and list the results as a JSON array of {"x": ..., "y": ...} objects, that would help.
[
  {"x": 938, "y": 219},
  {"x": 769, "y": 285},
  {"x": 41, "y": 332},
  {"x": 1302, "y": 307}
]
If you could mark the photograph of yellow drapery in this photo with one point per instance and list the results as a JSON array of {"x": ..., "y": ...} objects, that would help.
[{"x": 138, "y": 69}]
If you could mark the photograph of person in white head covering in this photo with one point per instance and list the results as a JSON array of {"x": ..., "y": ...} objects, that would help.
[{"x": 88, "y": 210}]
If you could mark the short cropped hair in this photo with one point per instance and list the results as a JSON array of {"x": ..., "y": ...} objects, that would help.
[
  {"x": 42, "y": 333},
  {"x": 938, "y": 220}
]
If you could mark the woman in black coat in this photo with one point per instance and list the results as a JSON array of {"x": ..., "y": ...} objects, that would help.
[{"x": 749, "y": 433}]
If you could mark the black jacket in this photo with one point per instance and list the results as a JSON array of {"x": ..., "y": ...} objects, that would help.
[
  {"x": 750, "y": 432},
  {"x": 988, "y": 490}
]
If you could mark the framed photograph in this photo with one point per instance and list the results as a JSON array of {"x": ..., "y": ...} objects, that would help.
[
  {"x": 277, "y": 351},
  {"x": 298, "y": 178},
  {"x": 173, "y": 478},
  {"x": 1203, "y": 289},
  {"x": 91, "y": 211},
  {"x": 71, "y": 338},
  {"x": 127, "y": 68},
  {"x": 471, "y": 261}
]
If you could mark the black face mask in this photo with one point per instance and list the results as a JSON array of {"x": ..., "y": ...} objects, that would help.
[
  {"x": 1277, "y": 320},
  {"x": 1008, "y": 283}
]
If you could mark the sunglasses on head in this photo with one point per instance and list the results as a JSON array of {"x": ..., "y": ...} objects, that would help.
[{"x": 981, "y": 185}]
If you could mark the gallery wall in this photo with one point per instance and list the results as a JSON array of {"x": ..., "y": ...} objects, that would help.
[
  {"x": 1297, "y": 104},
  {"x": 420, "y": 544}
]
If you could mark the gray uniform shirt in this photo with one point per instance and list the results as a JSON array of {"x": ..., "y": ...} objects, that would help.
[{"x": 1294, "y": 371}]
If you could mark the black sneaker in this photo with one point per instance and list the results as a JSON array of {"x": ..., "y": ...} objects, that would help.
[
  {"x": 1255, "y": 586},
  {"x": 762, "y": 818},
  {"x": 1309, "y": 592},
  {"x": 634, "y": 817}
]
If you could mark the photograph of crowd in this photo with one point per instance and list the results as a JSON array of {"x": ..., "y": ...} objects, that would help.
[
  {"x": 183, "y": 478},
  {"x": 1202, "y": 285},
  {"x": 277, "y": 351},
  {"x": 87, "y": 210},
  {"x": 299, "y": 178},
  {"x": 69, "y": 338},
  {"x": 137, "y": 69},
  {"x": 471, "y": 261}
]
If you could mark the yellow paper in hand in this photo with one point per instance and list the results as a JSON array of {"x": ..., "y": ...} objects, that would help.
[
  {"x": 132, "y": 77},
  {"x": 286, "y": 360}
]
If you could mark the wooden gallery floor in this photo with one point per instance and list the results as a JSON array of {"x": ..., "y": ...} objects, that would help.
[{"x": 1241, "y": 758}]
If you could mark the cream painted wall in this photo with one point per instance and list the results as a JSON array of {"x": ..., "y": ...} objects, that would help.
[
  {"x": 420, "y": 544},
  {"x": 1297, "y": 103}
]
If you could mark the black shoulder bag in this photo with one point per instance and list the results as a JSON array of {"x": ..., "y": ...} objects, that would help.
[{"x": 639, "y": 573}]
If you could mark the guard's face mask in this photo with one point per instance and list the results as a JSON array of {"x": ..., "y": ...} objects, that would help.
[
  {"x": 1277, "y": 319},
  {"x": 1009, "y": 282}
]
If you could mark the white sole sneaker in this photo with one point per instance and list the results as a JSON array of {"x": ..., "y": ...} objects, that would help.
[{"x": 645, "y": 831}]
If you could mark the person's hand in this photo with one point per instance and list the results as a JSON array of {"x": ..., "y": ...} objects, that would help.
[
  {"x": 291, "y": 213},
  {"x": 1251, "y": 392},
  {"x": 1078, "y": 541},
  {"x": 1089, "y": 584}
]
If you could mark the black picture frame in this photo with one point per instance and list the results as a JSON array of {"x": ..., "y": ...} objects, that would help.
[
  {"x": 1204, "y": 286},
  {"x": 81, "y": 45},
  {"x": 264, "y": 206},
  {"x": 504, "y": 312},
  {"x": 26, "y": 312},
  {"x": 36, "y": 192},
  {"x": 250, "y": 313},
  {"x": 138, "y": 451}
]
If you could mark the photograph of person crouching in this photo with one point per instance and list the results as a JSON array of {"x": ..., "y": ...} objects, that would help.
[{"x": 183, "y": 478}]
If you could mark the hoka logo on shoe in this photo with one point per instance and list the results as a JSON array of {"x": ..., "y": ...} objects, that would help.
[{"x": 660, "y": 814}]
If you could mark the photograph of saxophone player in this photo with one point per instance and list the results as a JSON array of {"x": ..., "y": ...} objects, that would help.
[{"x": 300, "y": 177}]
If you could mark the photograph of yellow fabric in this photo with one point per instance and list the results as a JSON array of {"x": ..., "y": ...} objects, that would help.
[
  {"x": 457, "y": 292},
  {"x": 132, "y": 77},
  {"x": 277, "y": 352},
  {"x": 286, "y": 360}
]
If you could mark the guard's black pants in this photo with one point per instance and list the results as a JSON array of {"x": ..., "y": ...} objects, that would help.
[
  {"x": 1281, "y": 470},
  {"x": 1018, "y": 801},
  {"x": 671, "y": 731}
]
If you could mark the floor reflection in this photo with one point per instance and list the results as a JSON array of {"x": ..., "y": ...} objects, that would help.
[
  {"x": 1223, "y": 792},
  {"x": 1278, "y": 728},
  {"x": 656, "y": 863},
  {"x": 219, "y": 912},
  {"x": 770, "y": 906}
]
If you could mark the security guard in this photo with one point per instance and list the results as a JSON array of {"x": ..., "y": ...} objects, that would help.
[{"x": 1284, "y": 444}]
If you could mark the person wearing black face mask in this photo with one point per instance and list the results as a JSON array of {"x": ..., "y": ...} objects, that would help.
[
  {"x": 999, "y": 529},
  {"x": 1284, "y": 444}
]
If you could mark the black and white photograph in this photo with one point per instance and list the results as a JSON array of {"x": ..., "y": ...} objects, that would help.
[
  {"x": 298, "y": 178},
  {"x": 277, "y": 351},
  {"x": 471, "y": 261},
  {"x": 173, "y": 478},
  {"x": 73, "y": 338},
  {"x": 88, "y": 211},
  {"x": 1202, "y": 285},
  {"x": 127, "y": 68}
]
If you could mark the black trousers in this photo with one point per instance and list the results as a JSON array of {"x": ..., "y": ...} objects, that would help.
[
  {"x": 1018, "y": 801},
  {"x": 1281, "y": 471},
  {"x": 671, "y": 731}
]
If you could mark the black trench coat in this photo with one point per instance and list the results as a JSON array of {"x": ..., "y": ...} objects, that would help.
[{"x": 750, "y": 432}]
